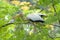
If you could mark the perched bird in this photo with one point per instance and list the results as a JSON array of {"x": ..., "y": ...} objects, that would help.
[{"x": 36, "y": 17}]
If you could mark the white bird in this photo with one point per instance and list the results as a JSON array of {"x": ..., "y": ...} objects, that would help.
[{"x": 36, "y": 17}]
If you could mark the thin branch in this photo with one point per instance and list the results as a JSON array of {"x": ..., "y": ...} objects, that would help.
[
  {"x": 7, "y": 24},
  {"x": 12, "y": 23},
  {"x": 53, "y": 5}
]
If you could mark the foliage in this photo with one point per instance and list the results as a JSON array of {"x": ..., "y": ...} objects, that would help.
[
  {"x": 20, "y": 29},
  {"x": 6, "y": 13}
]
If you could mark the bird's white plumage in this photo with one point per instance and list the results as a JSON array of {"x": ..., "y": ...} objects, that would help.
[{"x": 34, "y": 17}]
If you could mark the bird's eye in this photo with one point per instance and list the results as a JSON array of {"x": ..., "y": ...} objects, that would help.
[{"x": 42, "y": 15}]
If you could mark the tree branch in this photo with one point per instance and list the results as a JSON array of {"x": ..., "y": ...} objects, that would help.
[
  {"x": 12, "y": 23},
  {"x": 7, "y": 24},
  {"x": 53, "y": 5}
]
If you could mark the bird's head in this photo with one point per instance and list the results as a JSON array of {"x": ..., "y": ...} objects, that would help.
[{"x": 42, "y": 15}]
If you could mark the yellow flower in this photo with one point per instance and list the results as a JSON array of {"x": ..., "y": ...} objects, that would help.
[
  {"x": 27, "y": 3},
  {"x": 22, "y": 3},
  {"x": 25, "y": 8},
  {"x": 15, "y": 2}
]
